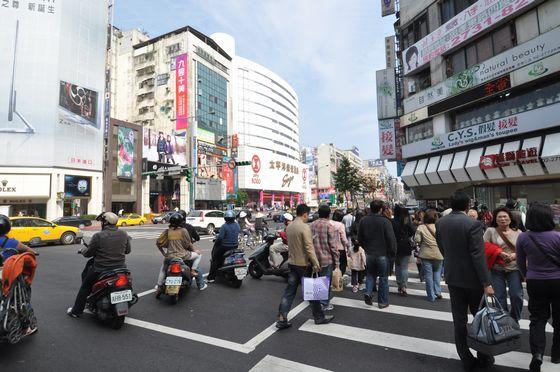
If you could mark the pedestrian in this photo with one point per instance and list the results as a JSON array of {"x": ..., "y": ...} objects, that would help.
[
  {"x": 405, "y": 245},
  {"x": 506, "y": 275},
  {"x": 417, "y": 220},
  {"x": 538, "y": 256},
  {"x": 348, "y": 221},
  {"x": 466, "y": 273},
  {"x": 518, "y": 216},
  {"x": 357, "y": 257},
  {"x": 430, "y": 255},
  {"x": 376, "y": 236},
  {"x": 344, "y": 246},
  {"x": 326, "y": 242},
  {"x": 301, "y": 256}
]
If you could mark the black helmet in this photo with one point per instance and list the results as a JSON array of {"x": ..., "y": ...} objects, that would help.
[
  {"x": 184, "y": 214},
  {"x": 5, "y": 225},
  {"x": 176, "y": 220}
]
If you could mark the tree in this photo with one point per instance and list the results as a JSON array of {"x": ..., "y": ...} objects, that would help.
[
  {"x": 369, "y": 185},
  {"x": 242, "y": 198},
  {"x": 347, "y": 179}
]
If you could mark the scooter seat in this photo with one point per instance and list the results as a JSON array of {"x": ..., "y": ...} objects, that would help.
[
  {"x": 232, "y": 251},
  {"x": 106, "y": 274}
]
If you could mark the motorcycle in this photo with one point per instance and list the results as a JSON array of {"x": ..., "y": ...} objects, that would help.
[
  {"x": 233, "y": 268},
  {"x": 177, "y": 281},
  {"x": 111, "y": 296},
  {"x": 259, "y": 264}
]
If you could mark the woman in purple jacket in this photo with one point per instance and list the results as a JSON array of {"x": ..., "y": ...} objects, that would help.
[{"x": 538, "y": 257}]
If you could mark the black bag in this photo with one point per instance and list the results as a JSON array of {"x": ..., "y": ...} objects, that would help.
[{"x": 493, "y": 331}]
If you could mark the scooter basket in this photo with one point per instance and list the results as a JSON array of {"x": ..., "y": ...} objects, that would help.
[{"x": 496, "y": 349}]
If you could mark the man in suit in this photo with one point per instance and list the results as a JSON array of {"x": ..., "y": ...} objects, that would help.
[{"x": 466, "y": 274}]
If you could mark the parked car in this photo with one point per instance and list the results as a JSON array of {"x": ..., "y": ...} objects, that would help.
[
  {"x": 206, "y": 220},
  {"x": 162, "y": 218},
  {"x": 35, "y": 231},
  {"x": 72, "y": 221},
  {"x": 131, "y": 219}
]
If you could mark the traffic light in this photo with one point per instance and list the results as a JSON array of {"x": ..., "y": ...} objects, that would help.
[
  {"x": 242, "y": 163},
  {"x": 188, "y": 174}
]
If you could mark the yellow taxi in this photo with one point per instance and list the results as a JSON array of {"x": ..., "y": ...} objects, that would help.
[
  {"x": 35, "y": 231},
  {"x": 131, "y": 219}
]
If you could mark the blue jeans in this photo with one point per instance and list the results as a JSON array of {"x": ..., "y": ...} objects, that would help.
[
  {"x": 511, "y": 279},
  {"x": 327, "y": 271},
  {"x": 432, "y": 275},
  {"x": 401, "y": 270},
  {"x": 378, "y": 266},
  {"x": 294, "y": 280}
]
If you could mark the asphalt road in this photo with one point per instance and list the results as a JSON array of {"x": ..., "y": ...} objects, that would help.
[{"x": 227, "y": 329}]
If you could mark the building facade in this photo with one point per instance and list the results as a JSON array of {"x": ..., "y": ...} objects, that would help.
[
  {"x": 51, "y": 108},
  {"x": 480, "y": 105}
]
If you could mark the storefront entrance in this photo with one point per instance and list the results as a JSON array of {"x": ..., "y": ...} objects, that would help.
[
  {"x": 75, "y": 207},
  {"x": 29, "y": 210}
]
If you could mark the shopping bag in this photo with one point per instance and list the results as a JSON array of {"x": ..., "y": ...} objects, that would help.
[
  {"x": 337, "y": 284},
  {"x": 493, "y": 331},
  {"x": 315, "y": 288}
]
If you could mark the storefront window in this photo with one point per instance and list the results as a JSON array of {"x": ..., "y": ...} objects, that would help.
[
  {"x": 509, "y": 105},
  {"x": 419, "y": 132}
]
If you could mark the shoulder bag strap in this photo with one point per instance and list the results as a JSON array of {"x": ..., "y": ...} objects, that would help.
[
  {"x": 431, "y": 231},
  {"x": 539, "y": 247},
  {"x": 506, "y": 240}
]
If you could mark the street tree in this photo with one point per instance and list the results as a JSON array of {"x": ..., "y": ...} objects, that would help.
[
  {"x": 369, "y": 185},
  {"x": 347, "y": 179},
  {"x": 242, "y": 198}
]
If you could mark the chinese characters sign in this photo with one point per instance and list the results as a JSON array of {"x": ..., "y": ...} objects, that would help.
[
  {"x": 386, "y": 93},
  {"x": 506, "y": 159},
  {"x": 470, "y": 22},
  {"x": 36, "y": 6},
  {"x": 387, "y": 7},
  {"x": 387, "y": 140},
  {"x": 181, "y": 99}
]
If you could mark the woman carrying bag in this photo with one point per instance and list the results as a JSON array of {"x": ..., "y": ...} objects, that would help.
[
  {"x": 506, "y": 275},
  {"x": 430, "y": 255},
  {"x": 538, "y": 254}
]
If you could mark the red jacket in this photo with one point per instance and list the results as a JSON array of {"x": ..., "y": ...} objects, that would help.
[
  {"x": 492, "y": 252},
  {"x": 16, "y": 265}
]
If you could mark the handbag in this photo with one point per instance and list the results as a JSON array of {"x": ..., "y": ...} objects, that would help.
[
  {"x": 315, "y": 288},
  {"x": 547, "y": 255},
  {"x": 493, "y": 331},
  {"x": 337, "y": 284}
]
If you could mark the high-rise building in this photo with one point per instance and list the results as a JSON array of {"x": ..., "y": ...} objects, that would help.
[{"x": 481, "y": 101}]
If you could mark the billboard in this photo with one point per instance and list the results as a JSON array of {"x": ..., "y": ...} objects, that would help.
[
  {"x": 387, "y": 7},
  {"x": 387, "y": 140},
  {"x": 181, "y": 101},
  {"x": 164, "y": 146},
  {"x": 77, "y": 187},
  {"x": 125, "y": 153},
  {"x": 51, "y": 76},
  {"x": 386, "y": 93}
]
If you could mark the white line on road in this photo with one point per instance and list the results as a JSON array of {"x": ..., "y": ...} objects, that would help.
[
  {"x": 412, "y": 344},
  {"x": 273, "y": 364}
]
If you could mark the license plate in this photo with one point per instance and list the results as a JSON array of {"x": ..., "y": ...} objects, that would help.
[
  {"x": 122, "y": 296},
  {"x": 240, "y": 272},
  {"x": 174, "y": 280}
]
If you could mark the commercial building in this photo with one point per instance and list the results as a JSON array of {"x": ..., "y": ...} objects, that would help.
[
  {"x": 265, "y": 131},
  {"x": 52, "y": 82},
  {"x": 177, "y": 86},
  {"x": 481, "y": 101}
]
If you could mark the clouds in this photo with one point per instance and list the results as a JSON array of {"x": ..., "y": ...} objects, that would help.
[{"x": 328, "y": 50}]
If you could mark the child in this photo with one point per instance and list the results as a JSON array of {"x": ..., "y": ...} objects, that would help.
[{"x": 358, "y": 265}]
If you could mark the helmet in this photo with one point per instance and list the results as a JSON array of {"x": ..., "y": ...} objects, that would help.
[
  {"x": 183, "y": 213},
  {"x": 229, "y": 214},
  {"x": 243, "y": 214},
  {"x": 176, "y": 220},
  {"x": 288, "y": 217},
  {"x": 5, "y": 225},
  {"x": 108, "y": 218}
]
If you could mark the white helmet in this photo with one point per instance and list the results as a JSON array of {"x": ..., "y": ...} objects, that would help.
[
  {"x": 242, "y": 214},
  {"x": 108, "y": 217},
  {"x": 288, "y": 217}
]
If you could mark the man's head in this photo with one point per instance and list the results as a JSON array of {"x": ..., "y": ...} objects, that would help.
[
  {"x": 302, "y": 211},
  {"x": 472, "y": 213},
  {"x": 460, "y": 201},
  {"x": 324, "y": 211},
  {"x": 168, "y": 138},
  {"x": 349, "y": 211},
  {"x": 511, "y": 204},
  {"x": 108, "y": 219},
  {"x": 376, "y": 206},
  {"x": 160, "y": 134}
]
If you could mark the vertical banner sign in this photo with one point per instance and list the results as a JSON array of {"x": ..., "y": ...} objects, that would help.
[
  {"x": 390, "y": 53},
  {"x": 387, "y": 7},
  {"x": 386, "y": 93},
  {"x": 125, "y": 155},
  {"x": 387, "y": 144},
  {"x": 181, "y": 100},
  {"x": 399, "y": 139}
]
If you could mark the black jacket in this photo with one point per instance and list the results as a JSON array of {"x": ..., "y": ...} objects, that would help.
[
  {"x": 403, "y": 234},
  {"x": 108, "y": 249},
  {"x": 459, "y": 238},
  {"x": 376, "y": 236},
  {"x": 192, "y": 232}
]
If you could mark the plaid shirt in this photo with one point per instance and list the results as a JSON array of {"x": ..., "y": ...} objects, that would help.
[{"x": 325, "y": 242}]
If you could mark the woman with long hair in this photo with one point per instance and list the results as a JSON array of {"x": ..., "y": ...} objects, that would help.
[
  {"x": 430, "y": 254},
  {"x": 403, "y": 232}
]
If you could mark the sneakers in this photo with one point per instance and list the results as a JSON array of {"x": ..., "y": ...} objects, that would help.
[
  {"x": 536, "y": 363},
  {"x": 283, "y": 323},
  {"x": 439, "y": 296},
  {"x": 354, "y": 288},
  {"x": 71, "y": 314},
  {"x": 361, "y": 287},
  {"x": 328, "y": 307},
  {"x": 204, "y": 286},
  {"x": 368, "y": 300},
  {"x": 383, "y": 306},
  {"x": 327, "y": 319},
  {"x": 210, "y": 280}
]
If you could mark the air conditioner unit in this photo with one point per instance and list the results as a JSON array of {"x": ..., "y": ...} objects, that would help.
[{"x": 411, "y": 87}]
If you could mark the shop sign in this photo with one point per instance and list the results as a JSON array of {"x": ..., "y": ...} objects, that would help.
[
  {"x": 536, "y": 70},
  {"x": 386, "y": 93},
  {"x": 390, "y": 53},
  {"x": 528, "y": 121},
  {"x": 181, "y": 100},
  {"x": 472, "y": 21},
  {"x": 414, "y": 117},
  {"x": 520, "y": 56},
  {"x": 375, "y": 163},
  {"x": 19, "y": 185},
  {"x": 387, "y": 7},
  {"x": 509, "y": 158},
  {"x": 77, "y": 186},
  {"x": 205, "y": 135},
  {"x": 387, "y": 141}
]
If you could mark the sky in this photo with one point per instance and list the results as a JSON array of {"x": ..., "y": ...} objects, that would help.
[{"x": 327, "y": 50}]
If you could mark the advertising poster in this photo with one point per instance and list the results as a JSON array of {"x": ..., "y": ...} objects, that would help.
[
  {"x": 77, "y": 187},
  {"x": 125, "y": 153},
  {"x": 387, "y": 141},
  {"x": 181, "y": 100},
  {"x": 386, "y": 93},
  {"x": 51, "y": 79},
  {"x": 164, "y": 147}
]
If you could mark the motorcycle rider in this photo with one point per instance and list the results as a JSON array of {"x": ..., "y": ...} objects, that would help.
[
  {"x": 244, "y": 225},
  {"x": 227, "y": 240},
  {"x": 276, "y": 250},
  {"x": 179, "y": 245},
  {"x": 108, "y": 249},
  {"x": 190, "y": 228}
]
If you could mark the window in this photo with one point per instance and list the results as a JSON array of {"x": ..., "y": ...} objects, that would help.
[
  {"x": 470, "y": 52},
  {"x": 502, "y": 39},
  {"x": 484, "y": 48},
  {"x": 419, "y": 132},
  {"x": 417, "y": 30},
  {"x": 450, "y": 8},
  {"x": 424, "y": 79},
  {"x": 40, "y": 223}
]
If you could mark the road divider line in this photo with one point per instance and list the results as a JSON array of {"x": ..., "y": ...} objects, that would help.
[
  {"x": 413, "y": 344},
  {"x": 273, "y": 364}
]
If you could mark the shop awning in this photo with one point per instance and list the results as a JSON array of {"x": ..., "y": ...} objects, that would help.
[
  {"x": 432, "y": 170},
  {"x": 512, "y": 170},
  {"x": 551, "y": 153},
  {"x": 535, "y": 169},
  {"x": 444, "y": 169},
  {"x": 473, "y": 165},
  {"x": 493, "y": 173},
  {"x": 408, "y": 173},
  {"x": 458, "y": 167},
  {"x": 420, "y": 172}
]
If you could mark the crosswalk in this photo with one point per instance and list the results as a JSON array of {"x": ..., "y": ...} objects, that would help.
[{"x": 151, "y": 233}]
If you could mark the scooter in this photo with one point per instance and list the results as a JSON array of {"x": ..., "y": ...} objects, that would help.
[
  {"x": 234, "y": 267},
  {"x": 177, "y": 281},
  {"x": 259, "y": 264}
]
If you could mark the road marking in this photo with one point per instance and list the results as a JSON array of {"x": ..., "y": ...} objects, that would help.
[
  {"x": 149, "y": 291},
  {"x": 273, "y": 364},
  {"x": 414, "y": 312},
  {"x": 412, "y": 344}
]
